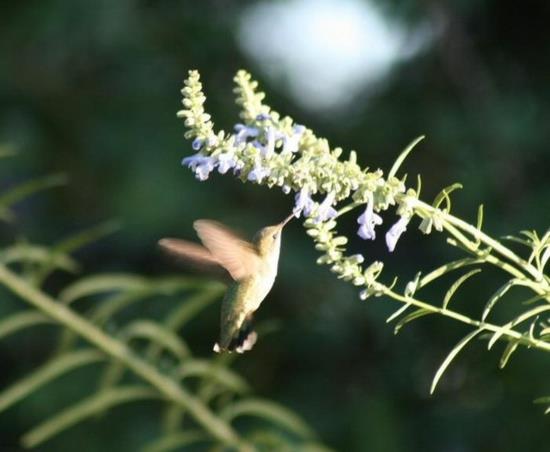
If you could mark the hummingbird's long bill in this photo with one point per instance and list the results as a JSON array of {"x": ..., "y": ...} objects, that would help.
[{"x": 287, "y": 219}]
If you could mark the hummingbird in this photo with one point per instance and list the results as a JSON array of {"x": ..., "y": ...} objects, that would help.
[{"x": 252, "y": 267}]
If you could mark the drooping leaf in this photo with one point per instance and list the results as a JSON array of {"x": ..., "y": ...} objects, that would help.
[
  {"x": 85, "y": 409},
  {"x": 454, "y": 287},
  {"x": 270, "y": 411},
  {"x": 46, "y": 373},
  {"x": 452, "y": 354}
]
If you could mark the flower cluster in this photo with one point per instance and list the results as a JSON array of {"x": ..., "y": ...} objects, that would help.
[{"x": 269, "y": 150}]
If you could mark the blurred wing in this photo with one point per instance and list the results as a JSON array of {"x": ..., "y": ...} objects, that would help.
[
  {"x": 236, "y": 255},
  {"x": 192, "y": 253}
]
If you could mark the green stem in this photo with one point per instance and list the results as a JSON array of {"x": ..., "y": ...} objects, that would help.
[
  {"x": 117, "y": 350},
  {"x": 485, "y": 239},
  {"x": 526, "y": 340}
]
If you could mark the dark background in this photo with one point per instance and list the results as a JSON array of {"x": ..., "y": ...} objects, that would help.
[{"x": 91, "y": 89}]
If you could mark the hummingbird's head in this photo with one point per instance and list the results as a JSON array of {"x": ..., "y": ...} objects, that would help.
[{"x": 268, "y": 239}]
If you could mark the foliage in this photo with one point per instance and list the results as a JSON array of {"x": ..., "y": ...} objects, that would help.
[
  {"x": 141, "y": 357},
  {"x": 269, "y": 150}
]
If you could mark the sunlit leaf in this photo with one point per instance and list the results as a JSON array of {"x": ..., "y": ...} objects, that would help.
[
  {"x": 421, "y": 312},
  {"x": 454, "y": 287},
  {"x": 455, "y": 351}
]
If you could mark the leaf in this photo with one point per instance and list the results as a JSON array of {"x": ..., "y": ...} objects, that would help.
[
  {"x": 26, "y": 189},
  {"x": 85, "y": 409},
  {"x": 398, "y": 312},
  {"x": 21, "y": 320},
  {"x": 403, "y": 156},
  {"x": 176, "y": 441},
  {"x": 446, "y": 268},
  {"x": 456, "y": 349},
  {"x": 454, "y": 287},
  {"x": 501, "y": 291},
  {"x": 208, "y": 369},
  {"x": 36, "y": 254},
  {"x": 157, "y": 334},
  {"x": 46, "y": 373},
  {"x": 107, "y": 282},
  {"x": 444, "y": 195},
  {"x": 420, "y": 312},
  {"x": 267, "y": 410},
  {"x": 516, "y": 321},
  {"x": 510, "y": 348}
]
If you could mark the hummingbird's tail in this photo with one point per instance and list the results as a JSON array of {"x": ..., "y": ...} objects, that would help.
[{"x": 243, "y": 340}]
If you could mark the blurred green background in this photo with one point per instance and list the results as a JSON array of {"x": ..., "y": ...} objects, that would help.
[{"x": 92, "y": 88}]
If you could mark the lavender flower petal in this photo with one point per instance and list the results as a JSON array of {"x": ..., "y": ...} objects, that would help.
[
  {"x": 258, "y": 173},
  {"x": 368, "y": 220},
  {"x": 197, "y": 144},
  {"x": 392, "y": 236},
  {"x": 326, "y": 211},
  {"x": 303, "y": 203}
]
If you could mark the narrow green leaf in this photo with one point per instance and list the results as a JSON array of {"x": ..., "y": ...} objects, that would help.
[
  {"x": 454, "y": 287},
  {"x": 84, "y": 410},
  {"x": 26, "y": 189},
  {"x": 501, "y": 291},
  {"x": 444, "y": 195},
  {"x": 421, "y": 312},
  {"x": 158, "y": 334},
  {"x": 403, "y": 156},
  {"x": 516, "y": 321},
  {"x": 398, "y": 312},
  {"x": 510, "y": 348},
  {"x": 176, "y": 441},
  {"x": 186, "y": 310},
  {"x": 107, "y": 282},
  {"x": 37, "y": 254},
  {"x": 456, "y": 349},
  {"x": 189, "y": 308},
  {"x": 46, "y": 373},
  {"x": 446, "y": 268},
  {"x": 21, "y": 320},
  {"x": 270, "y": 411},
  {"x": 209, "y": 369}
]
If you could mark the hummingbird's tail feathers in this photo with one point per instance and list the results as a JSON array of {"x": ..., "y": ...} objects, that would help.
[{"x": 242, "y": 341}]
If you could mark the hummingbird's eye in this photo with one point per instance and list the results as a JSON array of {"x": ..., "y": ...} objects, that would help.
[{"x": 275, "y": 236}]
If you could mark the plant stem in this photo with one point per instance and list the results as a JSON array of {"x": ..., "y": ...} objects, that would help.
[
  {"x": 117, "y": 350},
  {"x": 504, "y": 331}
]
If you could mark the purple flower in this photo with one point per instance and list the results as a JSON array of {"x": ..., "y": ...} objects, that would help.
[
  {"x": 226, "y": 161},
  {"x": 258, "y": 173},
  {"x": 368, "y": 220},
  {"x": 244, "y": 132},
  {"x": 200, "y": 164},
  {"x": 392, "y": 236},
  {"x": 197, "y": 144},
  {"x": 326, "y": 211},
  {"x": 270, "y": 145},
  {"x": 303, "y": 203}
]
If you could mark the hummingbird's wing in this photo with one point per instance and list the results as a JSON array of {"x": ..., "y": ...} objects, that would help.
[
  {"x": 193, "y": 254},
  {"x": 239, "y": 257}
]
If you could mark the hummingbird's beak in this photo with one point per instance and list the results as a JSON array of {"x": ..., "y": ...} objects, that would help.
[{"x": 287, "y": 219}]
